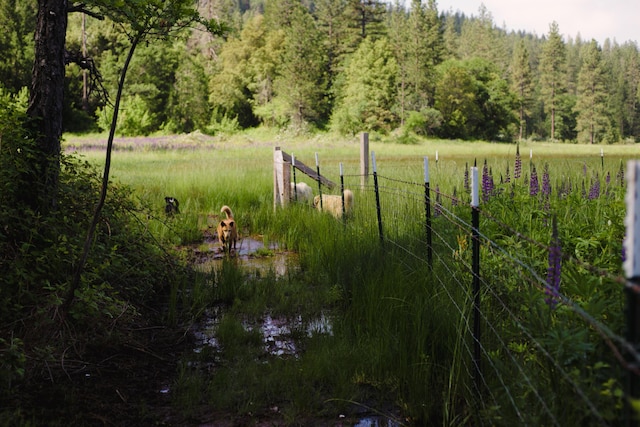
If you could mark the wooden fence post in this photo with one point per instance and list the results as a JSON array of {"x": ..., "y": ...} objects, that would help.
[
  {"x": 281, "y": 179},
  {"x": 364, "y": 159},
  {"x": 632, "y": 288}
]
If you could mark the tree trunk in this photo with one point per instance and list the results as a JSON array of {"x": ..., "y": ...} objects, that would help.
[{"x": 47, "y": 91}]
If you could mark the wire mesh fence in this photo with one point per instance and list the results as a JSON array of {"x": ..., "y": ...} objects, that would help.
[{"x": 540, "y": 308}]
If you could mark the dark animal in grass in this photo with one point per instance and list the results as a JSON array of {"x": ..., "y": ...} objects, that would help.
[
  {"x": 172, "y": 206},
  {"x": 227, "y": 230}
]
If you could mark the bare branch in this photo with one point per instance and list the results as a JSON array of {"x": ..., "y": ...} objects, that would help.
[{"x": 95, "y": 78}]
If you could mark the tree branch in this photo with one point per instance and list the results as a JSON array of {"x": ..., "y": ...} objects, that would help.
[{"x": 81, "y": 7}]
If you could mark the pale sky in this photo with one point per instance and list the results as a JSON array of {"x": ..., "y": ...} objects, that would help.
[{"x": 594, "y": 19}]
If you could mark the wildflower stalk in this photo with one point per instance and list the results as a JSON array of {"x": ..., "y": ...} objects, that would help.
[{"x": 517, "y": 170}]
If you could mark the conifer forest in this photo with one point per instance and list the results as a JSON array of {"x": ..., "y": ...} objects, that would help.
[{"x": 346, "y": 66}]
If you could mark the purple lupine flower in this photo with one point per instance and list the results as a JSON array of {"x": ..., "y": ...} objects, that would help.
[
  {"x": 546, "y": 182},
  {"x": 517, "y": 169},
  {"x": 507, "y": 177},
  {"x": 454, "y": 198},
  {"x": 584, "y": 190},
  {"x": 487, "y": 183},
  {"x": 594, "y": 191},
  {"x": 608, "y": 178},
  {"x": 467, "y": 187},
  {"x": 554, "y": 270},
  {"x": 534, "y": 186}
]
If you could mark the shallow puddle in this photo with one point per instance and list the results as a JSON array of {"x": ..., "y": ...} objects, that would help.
[
  {"x": 276, "y": 332},
  {"x": 376, "y": 422},
  {"x": 252, "y": 255}
]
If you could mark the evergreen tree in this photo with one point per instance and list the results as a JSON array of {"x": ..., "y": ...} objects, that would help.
[
  {"x": 553, "y": 74},
  {"x": 369, "y": 91},
  {"x": 365, "y": 18},
  {"x": 451, "y": 36},
  {"x": 479, "y": 39},
  {"x": 301, "y": 82},
  {"x": 521, "y": 83},
  {"x": 397, "y": 34},
  {"x": 424, "y": 51},
  {"x": 591, "y": 103},
  {"x": 188, "y": 107},
  {"x": 332, "y": 23},
  {"x": 623, "y": 69},
  {"x": 247, "y": 66}
]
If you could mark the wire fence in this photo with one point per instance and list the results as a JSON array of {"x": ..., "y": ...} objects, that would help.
[{"x": 538, "y": 351}]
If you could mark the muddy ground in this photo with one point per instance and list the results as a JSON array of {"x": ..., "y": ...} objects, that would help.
[{"x": 129, "y": 385}]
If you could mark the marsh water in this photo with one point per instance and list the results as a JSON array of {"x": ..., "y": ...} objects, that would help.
[{"x": 255, "y": 260}]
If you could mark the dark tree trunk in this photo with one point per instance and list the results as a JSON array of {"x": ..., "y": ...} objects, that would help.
[{"x": 45, "y": 102}]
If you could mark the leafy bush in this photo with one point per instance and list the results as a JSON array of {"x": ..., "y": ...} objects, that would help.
[
  {"x": 134, "y": 117},
  {"x": 126, "y": 271},
  {"x": 424, "y": 122}
]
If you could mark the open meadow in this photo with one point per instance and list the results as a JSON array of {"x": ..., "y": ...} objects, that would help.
[{"x": 398, "y": 341}]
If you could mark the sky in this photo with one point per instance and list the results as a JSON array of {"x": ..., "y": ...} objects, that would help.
[{"x": 592, "y": 19}]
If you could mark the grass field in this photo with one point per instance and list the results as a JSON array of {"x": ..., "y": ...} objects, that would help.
[{"x": 396, "y": 345}]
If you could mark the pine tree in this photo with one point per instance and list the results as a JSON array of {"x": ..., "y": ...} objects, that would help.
[
  {"x": 552, "y": 74},
  {"x": 332, "y": 23},
  {"x": 521, "y": 82},
  {"x": 365, "y": 19},
  {"x": 591, "y": 102},
  {"x": 397, "y": 33},
  {"x": 479, "y": 39},
  {"x": 300, "y": 84}
]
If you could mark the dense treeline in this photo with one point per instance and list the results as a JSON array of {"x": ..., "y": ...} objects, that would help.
[{"x": 347, "y": 66}]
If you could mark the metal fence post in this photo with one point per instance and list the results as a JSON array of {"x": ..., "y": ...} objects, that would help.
[
  {"x": 319, "y": 182},
  {"x": 344, "y": 213},
  {"x": 475, "y": 225},
  {"x": 377, "y": 190},
  {"x": 427, "y": 208}
]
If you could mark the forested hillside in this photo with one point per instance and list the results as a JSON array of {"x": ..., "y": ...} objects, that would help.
[{"x": 346, "y": 66}]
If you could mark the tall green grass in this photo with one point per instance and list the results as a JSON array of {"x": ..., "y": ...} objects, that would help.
[{"x": 396, "y": 326}]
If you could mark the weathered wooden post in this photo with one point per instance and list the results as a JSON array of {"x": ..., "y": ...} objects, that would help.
[
  {"x": 364, "y": 159},
  {"x": 281, "y": 179}
]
